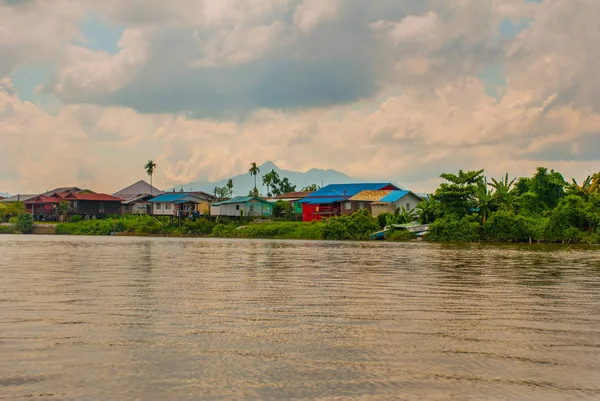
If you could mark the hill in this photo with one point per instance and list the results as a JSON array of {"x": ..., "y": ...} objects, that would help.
[{"x": 243, "y": 183}]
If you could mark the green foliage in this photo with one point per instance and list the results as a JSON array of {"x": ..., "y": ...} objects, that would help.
[
  {"x": 508, "y": 227},
  {"x": 458, "y": 195},
  {"x": 12, "y": 209},
  {"x": 76, "y": 218},
  {"x": 568, "y": 220},
  {"x": 548, "y": 186},
  {"x": 7, "y": 230},
  {"x": 357, "y": 226},
  {"x": 310, "y": 188},
  {"x": 25, "y": 223},
  {"x": 400, "y": 235},
  {"x": 283, "y": 209},
  {"x": 427, "y": 210},
  {"x": 283, "y": 186},
  {"x": 452, "y": 229}
]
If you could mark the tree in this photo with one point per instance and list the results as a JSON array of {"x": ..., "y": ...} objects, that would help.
[
  {"x": 427, "y": 210},
  {"x": 25, "y": 223},
  {"x": 589, "y": 187},
  {"x": 548, "y": 186},
  {"x": 230, "y": 187},
  {"x": 310, "y": 188},
  {"x": 254, "y": 170},
  {"x": 485, "y": 200},
  {"x": 504, "y": 195},
  {"x": 271, "y": 178},
  {"x": 283, "y": 209},
  {"x": 458, "y": 195},
  {"x": 150, "y": 167},
  {"x": 283, "y": 187}
]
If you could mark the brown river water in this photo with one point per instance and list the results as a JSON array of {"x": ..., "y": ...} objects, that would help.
[{"x": 118, "y": 318}]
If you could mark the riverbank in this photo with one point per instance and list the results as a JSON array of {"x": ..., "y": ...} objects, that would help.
[{"x": 357, "y": 227}]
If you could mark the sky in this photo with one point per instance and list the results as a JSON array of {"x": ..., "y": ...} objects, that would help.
[{"x": 403, "y": 90}]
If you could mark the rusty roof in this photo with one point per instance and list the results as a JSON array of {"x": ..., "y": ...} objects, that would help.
[{"x": 370, "y": 196}]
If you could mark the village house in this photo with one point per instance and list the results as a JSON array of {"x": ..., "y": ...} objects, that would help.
[
  {"x": 327, "y": 201},
  {"x": 182, "y": 204},
  {"x": 294, "y": 198},
  {"x": 136, "y": 196},
  {"x": 242, "y": 206},
  {"x": 378, "y": 202},
  {"x": 89, "y": 204}
]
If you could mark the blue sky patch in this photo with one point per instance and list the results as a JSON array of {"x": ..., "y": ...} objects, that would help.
[
  {"x": 494, "y": 80},
  {"x": 98, "y": 35}
]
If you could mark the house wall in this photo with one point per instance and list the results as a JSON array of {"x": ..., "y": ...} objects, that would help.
[
  {"x": 252, "y": 208},
  {"x": 349, "y": 207},
  {"x": 96, "y": 207},
  {"x": 377, "y": 209},
  {"x": 409, "y": 202},
  {"x": 315, "y": 212},
  {"x": 135, "y": 208},
  {"x": 162, "y": 209}
]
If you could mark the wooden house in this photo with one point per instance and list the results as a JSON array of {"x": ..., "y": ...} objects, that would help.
[
  {"x": 181, "y": 204},
  {"x": 378, "y": 202},
  {"x": 327, "y": 201},
  {"x": 136, "y": 196},
  {"x": 242, "y": 206}
]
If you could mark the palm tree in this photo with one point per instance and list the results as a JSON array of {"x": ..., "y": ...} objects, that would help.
[
  {"x": 590, "y": 186},
  {"x": 254, "y": 170},
  {"x": 270, "y": 179},
  {"x": 150, "y": 167},
  {"x": 230, "y": 187},
  {"x": 485, "y": 200}
]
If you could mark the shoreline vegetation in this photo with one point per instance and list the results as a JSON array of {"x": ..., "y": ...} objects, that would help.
[{"x": 465, "y": 208}]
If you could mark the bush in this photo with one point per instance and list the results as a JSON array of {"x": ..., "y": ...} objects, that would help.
[
  {"x": 7, "y": 230},
  {"x": 452, "y": 229},
  {"x": 25, "y": 223},
  {"x": 567, "y": 220},
  {"x": 400, "y": 235},
  {"x": 508, "y": 227},
  {"x": 75, "y": 218},
  {"x": 357, "y": 226}
]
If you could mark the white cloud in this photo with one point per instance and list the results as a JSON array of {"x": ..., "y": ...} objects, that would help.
[
  {"x": 311, "y": 13},
  {"x": 391, "y": 91}
]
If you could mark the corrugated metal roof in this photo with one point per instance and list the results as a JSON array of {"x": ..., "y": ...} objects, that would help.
[
  {"x": 394, "y": 196},
  {"x": 349, "y": 190},
  {"x": 92, "y": 197},
  {"x": 139, "y": 188},
  {"x": 239, "y": 199},
  {"x": 370, "y": 196},
  {"x": 20, "y": 198},
  {"x": 321, "y": 201},
  {"x": 167, "y": 198}
]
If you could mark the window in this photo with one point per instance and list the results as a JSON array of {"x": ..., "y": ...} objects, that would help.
[
  {"x": 237, "y": 207},
  {"x": 159, "y": 205},
  {"x": 408, "y": 206},
  {"x": 251, "y": 208},
  {"x": 101, "y": 208},
  {"x": 361, "y": 205},
  {"x": 348, "y": 205}
]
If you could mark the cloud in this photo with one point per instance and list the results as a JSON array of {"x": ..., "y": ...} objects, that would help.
[{"x": 377, "y": 89}]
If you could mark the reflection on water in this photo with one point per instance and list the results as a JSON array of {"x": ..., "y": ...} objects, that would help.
[{"x": 136, "y": 318}]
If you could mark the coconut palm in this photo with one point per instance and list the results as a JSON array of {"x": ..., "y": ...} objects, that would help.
[
  {"x": 150, "y": 167},
  {"x": 254, "y": 170},
  {"x": 269, "y": 179},
  {"x": 484, "y": 199},
  {"x": 590, "y": 186}
]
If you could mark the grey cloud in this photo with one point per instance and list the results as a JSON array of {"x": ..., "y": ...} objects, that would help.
[{"x": 338, "y": 63}]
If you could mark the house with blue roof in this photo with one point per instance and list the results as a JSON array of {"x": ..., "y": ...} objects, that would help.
[
  {"x": 327, "y": 201},
  {"x": 180, "y": 204},
  {"x": 242, "y": 206},
  {"x": 378, "y": 202}
]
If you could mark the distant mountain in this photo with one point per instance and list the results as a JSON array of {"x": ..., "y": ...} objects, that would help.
[{"x": 244, "y": 183}]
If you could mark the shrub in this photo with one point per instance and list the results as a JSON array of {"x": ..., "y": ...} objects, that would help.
[
  {"x": 507, "y": 226},
  {"x": 357, "y": 226},
  {"x": 24, "y": 223},
  {"x": 400, "y": 235},
  {"x": 7, "y": 230},
  {"x": 453, "y": 229}
]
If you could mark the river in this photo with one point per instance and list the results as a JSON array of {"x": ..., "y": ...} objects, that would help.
[{"x": 167, "y": 318}]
